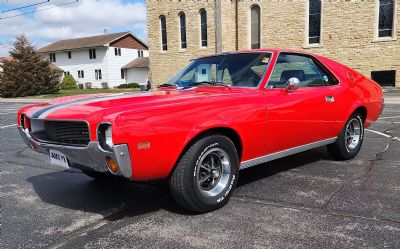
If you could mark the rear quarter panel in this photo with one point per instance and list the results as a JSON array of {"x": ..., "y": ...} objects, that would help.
[{"x": 360, "y": 92}]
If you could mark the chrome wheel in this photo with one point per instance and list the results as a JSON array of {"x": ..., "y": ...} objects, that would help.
[
  {"x": 213, "y": 172},
  {"x": 353, "y": 134}
]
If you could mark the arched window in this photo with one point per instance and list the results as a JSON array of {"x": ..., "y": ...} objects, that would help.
[
  {"x": 182, "y": 23},
  {"x": 255, "y": 29},
  {"x": 163, "y": 33},
  {"x": 386, "y": 18},
  {"x": 314, "y": 22},
  {"x": 203, "y": 27}
]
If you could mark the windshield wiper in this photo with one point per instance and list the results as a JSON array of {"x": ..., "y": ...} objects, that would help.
[{"x": 211, "y": 83}]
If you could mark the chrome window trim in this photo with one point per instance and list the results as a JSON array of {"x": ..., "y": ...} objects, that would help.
[
  {"x": 272, "y": 70},
  {"x": 284, "y": 153},
  {"x": 311, "y": 56},
  {"x": 231, "y": 53}
]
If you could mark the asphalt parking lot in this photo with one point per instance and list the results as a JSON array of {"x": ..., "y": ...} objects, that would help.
[{"x": 307, "y": 200}]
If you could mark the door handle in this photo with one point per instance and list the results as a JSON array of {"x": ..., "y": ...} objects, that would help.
[{"x": 330, "y": 99}]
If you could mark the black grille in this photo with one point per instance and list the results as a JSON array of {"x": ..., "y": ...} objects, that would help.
[{"x": 65, "y": 132}]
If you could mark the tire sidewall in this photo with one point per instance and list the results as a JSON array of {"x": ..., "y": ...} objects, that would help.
[
  {"x": 353, "y": 152},
  {"x": 213, "y": 202}
]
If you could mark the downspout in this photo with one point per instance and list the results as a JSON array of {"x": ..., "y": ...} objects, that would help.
[
  {"x": 218, "y": 26},
  {"x": 236, "y": 25}
]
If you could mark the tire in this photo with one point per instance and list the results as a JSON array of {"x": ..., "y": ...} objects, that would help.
[
  {"x": 95, "y": 175},
  {"x": 350, "y": 139},
  {"x": 206, "y": 175}
]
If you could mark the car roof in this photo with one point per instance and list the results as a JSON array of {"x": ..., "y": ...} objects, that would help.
[{"x": 260, "y": 50}]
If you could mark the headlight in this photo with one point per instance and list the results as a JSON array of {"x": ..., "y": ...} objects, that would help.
[
  {"x": 108, "y": 137},
  {"x": 104, "y": 135}
]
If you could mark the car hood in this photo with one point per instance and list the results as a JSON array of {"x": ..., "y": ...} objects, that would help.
[{"x": 92, "y": 107}]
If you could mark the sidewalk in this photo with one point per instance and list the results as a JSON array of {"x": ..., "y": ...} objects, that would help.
[
  {"x": 23, "y": 100},
  {"x": 391, "y": 90},
  {"x": 393, "y": 99}
]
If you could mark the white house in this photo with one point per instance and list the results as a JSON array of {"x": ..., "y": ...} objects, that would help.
[
  {"x": 136, "y": 70},
  {"x": 100, "y": 59}
]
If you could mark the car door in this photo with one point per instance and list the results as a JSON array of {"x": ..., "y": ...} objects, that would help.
[{"x": 304, "y": 115}]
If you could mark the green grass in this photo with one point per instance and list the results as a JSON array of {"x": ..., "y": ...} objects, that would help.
[{"x": 63, "y": 93}]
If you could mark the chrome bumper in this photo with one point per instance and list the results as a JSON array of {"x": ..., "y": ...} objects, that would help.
[{"x": 91, "y": 156}]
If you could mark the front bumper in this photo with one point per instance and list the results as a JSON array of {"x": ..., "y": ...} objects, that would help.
[{"x": 91, "y": 156}]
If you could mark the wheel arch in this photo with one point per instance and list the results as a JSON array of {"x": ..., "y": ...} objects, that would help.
[
  {"x": 363, "y": 110},
  {"x": 232, "y": 134}
]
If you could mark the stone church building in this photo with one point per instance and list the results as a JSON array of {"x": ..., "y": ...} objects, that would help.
[{"x": 361, "y": 34}]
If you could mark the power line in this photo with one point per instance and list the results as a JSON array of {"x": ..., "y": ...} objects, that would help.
[
  {"x": 27, "y": 13},
  {"x": 27, "y": 6}
]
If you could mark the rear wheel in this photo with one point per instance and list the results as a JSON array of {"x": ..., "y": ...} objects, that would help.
[
  {"x": 350, "y": 139},
  {"x": 204, "y": 178}
]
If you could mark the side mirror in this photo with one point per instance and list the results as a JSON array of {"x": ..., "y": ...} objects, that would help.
[{"x": 292, "y": 84}]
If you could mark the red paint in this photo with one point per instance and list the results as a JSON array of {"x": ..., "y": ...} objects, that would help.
[{"x": 266, "y": 120}]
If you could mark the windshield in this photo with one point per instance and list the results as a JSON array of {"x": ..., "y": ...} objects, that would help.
[{"x": 237, "y": 70}]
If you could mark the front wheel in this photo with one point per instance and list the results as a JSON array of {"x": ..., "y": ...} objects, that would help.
[
  {"x": 350, "y": 139},
  {"x": 205, "y": 176}
]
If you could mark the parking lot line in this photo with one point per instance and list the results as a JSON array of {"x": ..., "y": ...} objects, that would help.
[
  {"x": 379, "y": 133},
  {"x": 383, "y": 134},
  {"x": 6, "y": 126}
]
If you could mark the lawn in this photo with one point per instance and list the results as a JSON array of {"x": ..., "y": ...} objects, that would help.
[{"x": 62, "y": 93}]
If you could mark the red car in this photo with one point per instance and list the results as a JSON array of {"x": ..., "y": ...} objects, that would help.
[{"x": 220, "y": 114}]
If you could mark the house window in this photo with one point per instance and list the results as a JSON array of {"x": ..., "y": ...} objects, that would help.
[
  {"x": 53, "y": 57},
  {"x": 140, "y": 53},
  {"x": 255, "y": 28},
  {"x": 314, "y": 22},
  {"x": 163, "y": 33},
  {"x": 386, "y": 18},
  {"x": 92, "y": 53},
  {"x": 384, "y": 78},
  {"x": 203, "y": 27},
  {"x": 69, "y": 54},
  {"x": 66, "y": 73},
  {"x": 81, "y": 74},
  {"x": 117, "y": 51},
  {"x": 182, "y": 22},
  {"x": 97, "y": 74},
  {"x": 122, "y": 74}
]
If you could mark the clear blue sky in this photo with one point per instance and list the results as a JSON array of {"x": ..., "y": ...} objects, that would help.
[{"x": 82, "y": 18}]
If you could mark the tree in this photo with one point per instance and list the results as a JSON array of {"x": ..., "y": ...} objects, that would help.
[
  {"x": 27, "y": 73},
  {"x": 68, "y": 83}
]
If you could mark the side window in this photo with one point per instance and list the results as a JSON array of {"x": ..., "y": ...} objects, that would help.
[{"x": 305, "y": 68}]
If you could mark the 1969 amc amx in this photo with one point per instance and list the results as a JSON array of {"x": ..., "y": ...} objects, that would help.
[{"x": 220, "y": 114}]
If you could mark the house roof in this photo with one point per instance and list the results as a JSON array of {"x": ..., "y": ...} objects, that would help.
[
  {"x": 85, "y": 42},
  {"x": 6, "y": 58},
  {"x": 55, "y": 68},
  {"x": 139, "y": 62}
]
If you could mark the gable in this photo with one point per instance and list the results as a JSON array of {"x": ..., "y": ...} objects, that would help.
[{"x": 129, "y": 41}]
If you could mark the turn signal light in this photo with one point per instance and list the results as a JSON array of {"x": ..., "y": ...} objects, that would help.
[{"x": 112, "y": 165}]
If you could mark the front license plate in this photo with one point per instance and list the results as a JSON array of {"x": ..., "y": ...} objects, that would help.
[{"x": 58, "y": 158}]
